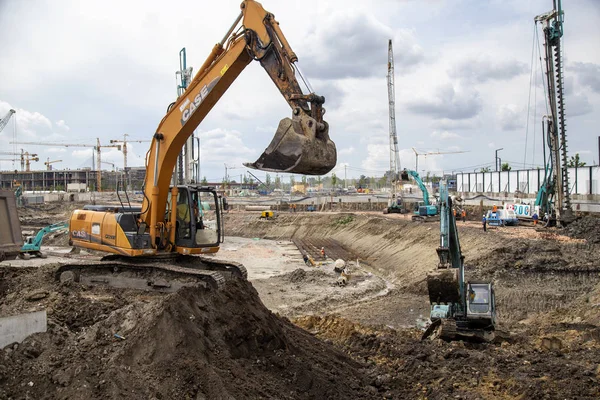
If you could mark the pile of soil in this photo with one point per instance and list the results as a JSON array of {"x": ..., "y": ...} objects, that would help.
[
  {"x": 196, "y": 343},
  {"x": 526, "y": 367},
  {"x": 587, "y": 228}
]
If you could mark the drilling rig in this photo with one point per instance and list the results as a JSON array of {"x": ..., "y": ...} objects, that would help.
[{"x": 553, "y": 198}]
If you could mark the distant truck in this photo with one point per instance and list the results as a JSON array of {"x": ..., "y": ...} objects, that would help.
[{"x": 502, "y": 217}]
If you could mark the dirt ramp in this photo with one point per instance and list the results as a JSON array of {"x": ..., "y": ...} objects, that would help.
[{"x": 195, "y": 343}]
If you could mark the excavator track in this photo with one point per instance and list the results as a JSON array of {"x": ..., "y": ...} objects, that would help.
[
  {"x": 165, "y": 274},
  {"x": 448, "y": 330}
]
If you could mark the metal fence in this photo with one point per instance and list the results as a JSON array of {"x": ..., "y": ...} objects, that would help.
[{"x": 582, "y": 180}]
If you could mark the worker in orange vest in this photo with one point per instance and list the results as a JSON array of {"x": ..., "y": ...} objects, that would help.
[{"x": 464, "y": 215}]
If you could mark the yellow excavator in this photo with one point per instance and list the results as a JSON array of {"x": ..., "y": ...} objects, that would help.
[{"x": 156, "y": 246}]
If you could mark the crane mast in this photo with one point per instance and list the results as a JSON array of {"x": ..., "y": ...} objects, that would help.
[
  {"x": 552, "y": 26},
  {"x": 394, "y": 153}
]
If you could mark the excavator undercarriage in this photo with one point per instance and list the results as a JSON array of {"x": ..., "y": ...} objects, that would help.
[{"x": 162, "y": 274}]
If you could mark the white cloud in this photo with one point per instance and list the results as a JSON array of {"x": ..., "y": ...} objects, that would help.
[
  {"x": 445, "y": 135},
  {"x": 61, "y": 124},
  {"x": 482, "y": 68},
  {"x": 378, "y": 158},
  {"x": 346, "y": 152},
  {"x": 511, "y": 117},
  {"x": 447, "y": 101},
  {"x": 82, "y": 154},
  {"x": 55, "y": 150},
  {"x": 30, "y": 125}
]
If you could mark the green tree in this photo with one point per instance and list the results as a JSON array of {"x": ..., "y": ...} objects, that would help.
[
  {"x": 362, "y": 181},
  {"x": 268, "y": 181},
  {"x": 304, "y": 180},
  {"x": 334, "y": 180},
  {"x": 277, "y": 182},
  {"x": 574, "y": 162},
  {"x": 292, "y": 180},
  {"x": 506, "y": 167},
  {"x": 204, "y": 181},
  {"x": 485, "y": 169}
]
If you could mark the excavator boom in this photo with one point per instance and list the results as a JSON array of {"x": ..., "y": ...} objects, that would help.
[
  {"x": 165, "y": 236},
  {"x": 301, "y": 144}
]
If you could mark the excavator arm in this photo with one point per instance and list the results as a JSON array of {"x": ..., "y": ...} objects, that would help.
[
  {"x": 301, "y": 144},
  {"x": 420, "y": 183}
]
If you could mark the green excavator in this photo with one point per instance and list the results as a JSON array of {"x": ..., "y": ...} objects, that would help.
[{"x": 460, "y": 310}]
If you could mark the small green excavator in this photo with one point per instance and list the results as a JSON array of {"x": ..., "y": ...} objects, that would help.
[{"x": 459, "y": 310}]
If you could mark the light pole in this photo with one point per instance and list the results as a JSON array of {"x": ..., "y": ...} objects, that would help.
[{"x": 497, "y": 150}]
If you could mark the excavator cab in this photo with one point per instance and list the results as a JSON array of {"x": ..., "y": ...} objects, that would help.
[
  {"x": 481, "y": 305},
  {"x": 404, "y": 176},
  {"x": 199, "y": 221}
]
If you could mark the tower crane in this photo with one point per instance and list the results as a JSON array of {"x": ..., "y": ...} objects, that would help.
[
  {"x": 49, "y": 163},
  {"x": 432, "y": 153},
  {"x": 122, "y": 145},
  {"x": 96, "y": 147},
  {"x": 4, "y": 121},
  {"x": 23, "y": 155}
]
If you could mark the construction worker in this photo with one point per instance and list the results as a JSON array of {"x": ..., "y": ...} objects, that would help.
[
  {"x": 484, "y": 222},
  {"x": 495, "y": 208},
  {"x": 535, "y": 219},
  {"x": 454, "y": 212},
  {"x": 323, "y": 256},
  {"x": 464, "y": 215}
]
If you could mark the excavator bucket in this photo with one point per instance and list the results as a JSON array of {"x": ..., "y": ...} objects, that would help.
[
  {"x": 300, "y": 146},
  {"x": 443, "y": 286}
]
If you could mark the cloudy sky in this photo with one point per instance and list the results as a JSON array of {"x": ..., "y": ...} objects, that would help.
[{"x": 78, "y": 70}]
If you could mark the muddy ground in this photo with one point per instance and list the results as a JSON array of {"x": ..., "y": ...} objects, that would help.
[{"x": 292, "y": 332}]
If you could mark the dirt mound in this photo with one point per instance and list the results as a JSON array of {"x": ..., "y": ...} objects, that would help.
[
  {"x": 587, "y": 228},
  {"x": 196, "y": 343},
  {"x": 409, "y": 368}
]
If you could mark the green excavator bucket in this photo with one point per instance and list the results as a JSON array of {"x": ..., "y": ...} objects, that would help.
[{"x": 300, "y": 146}]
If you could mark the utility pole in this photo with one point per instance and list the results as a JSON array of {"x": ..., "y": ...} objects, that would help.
[
  {"x": 498, "y": 167},
  {"x": 345, "y": 177}
]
